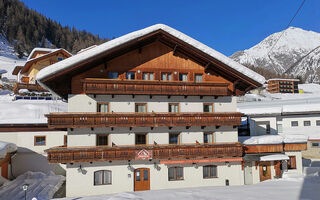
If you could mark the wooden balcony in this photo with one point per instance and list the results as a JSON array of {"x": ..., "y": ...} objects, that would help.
[
  {"x": 30, "y": 87},
  {"x": 274, "y": 148},
  {"x": 82, "y": 120},
  {"x": 142, "y": 87},
  {"x": 107, "y": 153}
]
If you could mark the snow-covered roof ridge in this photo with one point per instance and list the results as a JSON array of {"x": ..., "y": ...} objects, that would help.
[
  {"x": 6, "y": 147},
  {"x": 274, "y": 139},
  {"x": 283, "y": 79},
  {"x": 40, "y": 49},
  {"x": 133, "y": 35}
]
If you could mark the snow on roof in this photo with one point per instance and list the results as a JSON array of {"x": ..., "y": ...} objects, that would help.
[
  {"x": 273, "y": 139},
  {"x": 40, "y": 49},
  {"x": 134, "y": 35},
  {"x": 86, "y": 49},
  {"x": 41, "y": 186},
  {"x": 274, "y": 157},
  {"x": 283, "y": 79},
  {"x": 6, "y": 147},
  {"x": 3, "y": 71},
  {"x": 280, "y": 107},
  {"x": 310, "y": 87}
]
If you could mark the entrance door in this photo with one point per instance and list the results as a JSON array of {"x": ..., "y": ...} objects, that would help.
[
  {"x": 248, "y": 173},
  {"x": 277, "y": 168},
  {"x": 265, "y": 171},
  {"x": 141, "y": 179}
]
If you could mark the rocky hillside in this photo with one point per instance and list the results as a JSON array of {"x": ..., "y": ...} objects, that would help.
[{"x": 297, "y": 53}]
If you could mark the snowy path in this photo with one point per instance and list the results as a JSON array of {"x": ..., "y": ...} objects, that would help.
[{"x": 283, "y": 189}]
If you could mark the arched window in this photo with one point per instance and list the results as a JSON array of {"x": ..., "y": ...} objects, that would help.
[
  {"x": 102, "y": 177},
  {"x": 175, "y": 173},
  {"x": 210, "y": 171}
]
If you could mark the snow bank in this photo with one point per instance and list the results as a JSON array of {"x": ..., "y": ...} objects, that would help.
[
  {"x": 41, "y": 186},
  {"x": 273, "y": 139},
  {"x": 6, "y": 147},
  {"x": 52, "y": 69}
]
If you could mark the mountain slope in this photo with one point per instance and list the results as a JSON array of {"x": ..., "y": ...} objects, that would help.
[{"x": 296, "y": 53}]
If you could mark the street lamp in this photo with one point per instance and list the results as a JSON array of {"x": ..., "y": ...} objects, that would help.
[{"x": 25, "y": 188}]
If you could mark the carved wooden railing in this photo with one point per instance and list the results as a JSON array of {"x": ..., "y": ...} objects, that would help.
[
  {"x": 82, "y": 120},
  {"x": 115, "y": 86},
  {"x": 107, "y": 153}
]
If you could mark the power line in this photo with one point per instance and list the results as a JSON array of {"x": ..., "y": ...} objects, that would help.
[{"x": 287, "y": 26}]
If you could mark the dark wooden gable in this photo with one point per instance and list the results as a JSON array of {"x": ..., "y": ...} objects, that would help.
[{"x": 156, "y": 52}]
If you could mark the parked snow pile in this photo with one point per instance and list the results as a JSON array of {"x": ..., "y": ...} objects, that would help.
[
  {"x": 273, "y": 139},
  {"x": 41, "y": 186},
  {"x": 6, "y": 147}
]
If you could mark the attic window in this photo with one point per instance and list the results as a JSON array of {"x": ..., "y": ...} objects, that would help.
[
  {"x": 113, "y": 75},
  {"x": 60, "y": 58}
]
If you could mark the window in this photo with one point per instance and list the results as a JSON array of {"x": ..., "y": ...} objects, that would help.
[
  {"x": 65, "y": 140},
  {"x": 141, "y": 139},
  {"x": 166, "y": 77},
  {"x": 175, "y": 173},
  {"x": 307, "y": 123},
  {"x": 210, "y": 171},
  {"x": 102, "y": 139},
  {"x": 173, "y": 107},
  {"x": 279, "y": 127},
  {"x": 292, "y": 162},
  {"x": 130, "y": 75},
  {"x": 103, "y": 107},
  {"x": 60, "y": 58},
  {"x": 208, "y": 107},
  {"x": 294, "y": 123},
  {"x": 147, "y": 76},
  {"x": 113, "y": 75},
  {"x": 102, "y": 177},
  {"x": 141, "y": 107},
  {"x": 315, "y": 144},
  {"x": 174, "y": 138},
  {"x": 183, "y": 77},
  {"x": 39, "y": 140},
  {"x": 318, "y": 122},
  {"x": 198, "y": 77},
  {"x": 207, "y": 138}
]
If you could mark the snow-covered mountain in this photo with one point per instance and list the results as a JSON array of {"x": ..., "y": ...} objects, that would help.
[
  {"x": 296, "y": 53},
  {"x": 8, "y": 58}
]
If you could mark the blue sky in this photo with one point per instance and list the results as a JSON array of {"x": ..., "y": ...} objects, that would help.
[{"x": 225, "y": 25}]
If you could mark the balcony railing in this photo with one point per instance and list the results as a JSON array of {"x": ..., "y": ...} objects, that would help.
[
  {"x": 106, "y": 153},
  {"x": 143, "y": 87},
  {"x": 82, "y": 120},
  {"x": 31, "y": 87}
]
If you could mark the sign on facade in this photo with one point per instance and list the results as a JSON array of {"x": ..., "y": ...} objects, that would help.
[{"x": 143, "y": 154}]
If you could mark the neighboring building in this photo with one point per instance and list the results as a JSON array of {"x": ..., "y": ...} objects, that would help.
[
  {"x": 38, "y": 59},
  {"x": 286, "y": 117},
  {"x": 283, "y": 85},
  {"x": 154, "y": 109},
  {"x": 31, "y": 140}
]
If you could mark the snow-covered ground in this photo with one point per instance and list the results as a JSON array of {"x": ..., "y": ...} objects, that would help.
[
  {"x": 27, "y": 111},
  {"x": 289, "y": 188},
  {"x": 40, "y": 186}
]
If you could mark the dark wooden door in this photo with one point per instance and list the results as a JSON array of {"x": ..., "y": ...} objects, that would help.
[
  {"x": 265, "y": 171},
  {"x": 141, "y": 179},
  {"x": 277, "y": 168}
]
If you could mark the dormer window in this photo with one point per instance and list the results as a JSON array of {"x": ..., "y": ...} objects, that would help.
[
  {"x": 113, "y": 75},
  {"x": 131, "y": 75}
]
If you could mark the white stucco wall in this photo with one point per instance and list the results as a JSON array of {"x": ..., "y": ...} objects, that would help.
[
  {"x": 79, "y": 184},
  {"x": 30, "y": 157}
]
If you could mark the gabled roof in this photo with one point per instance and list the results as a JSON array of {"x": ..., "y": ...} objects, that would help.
[
  {"x": 40, "y": 49},
  {"x": 16, "y": 70},
  {"x": 209, "y": 55},
  {"x": 29, "y": 62}
]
